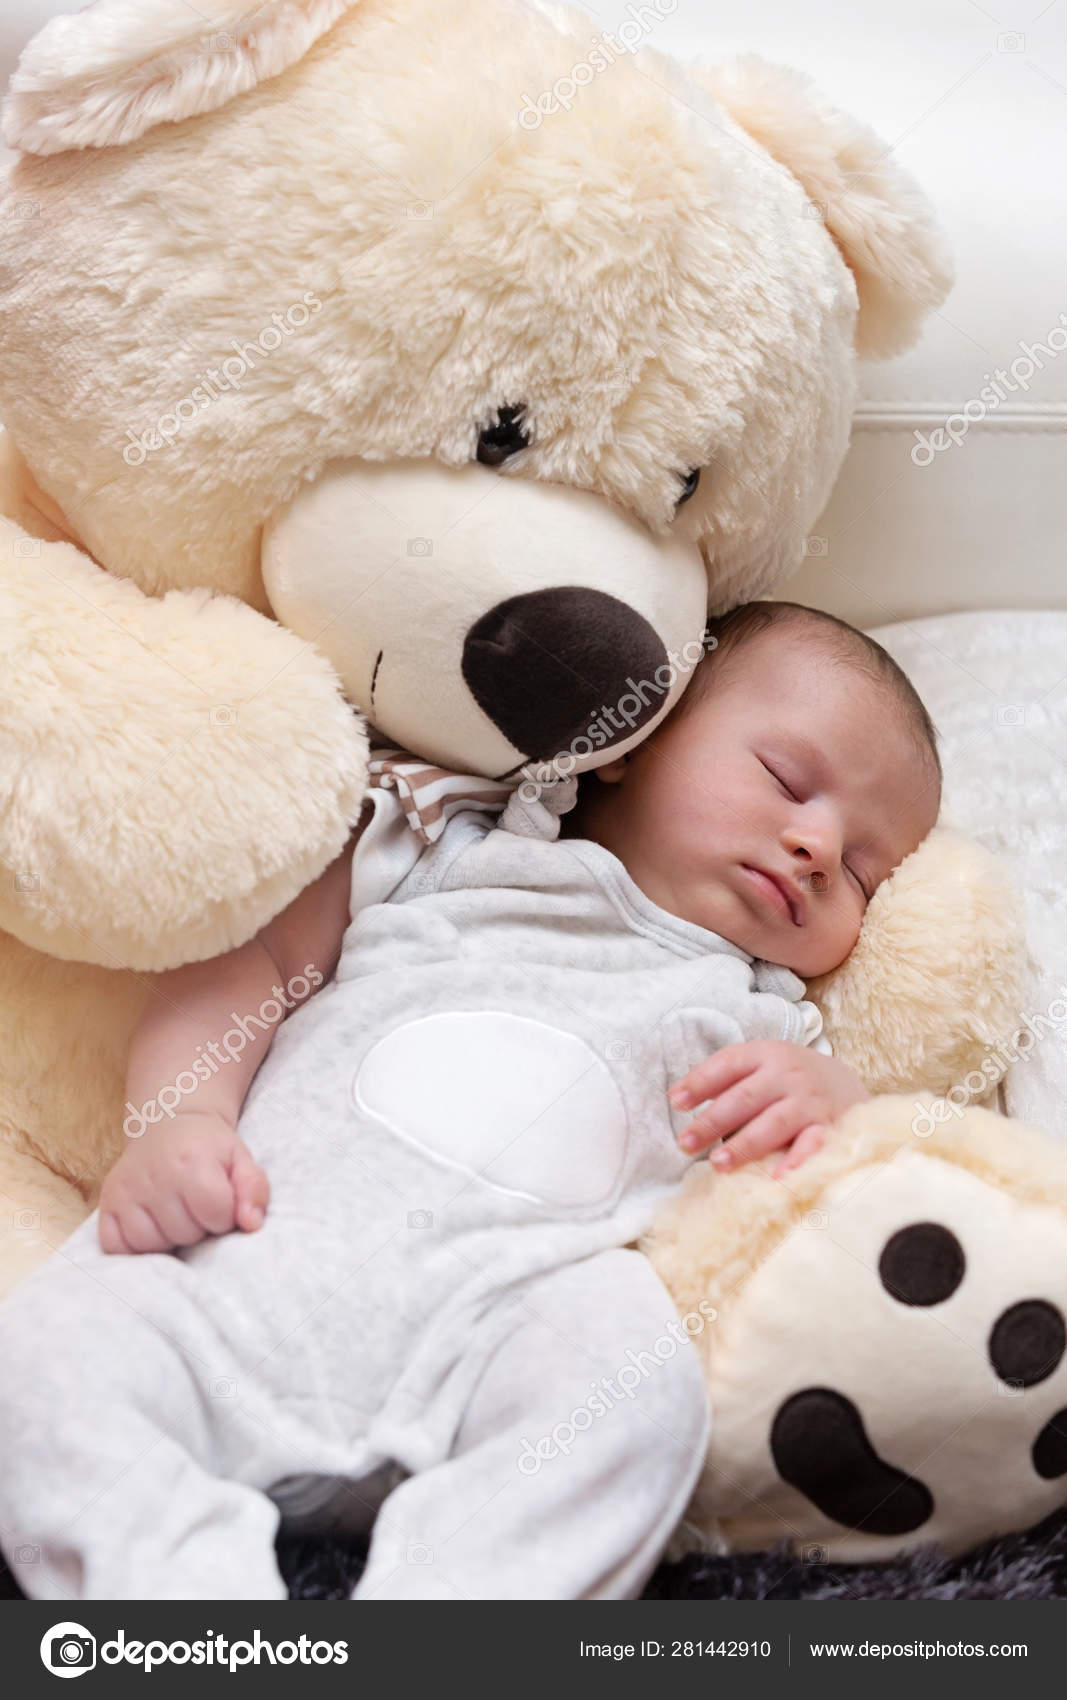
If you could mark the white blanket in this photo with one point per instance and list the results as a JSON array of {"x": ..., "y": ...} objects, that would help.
[{"x": 995, "y": 684}]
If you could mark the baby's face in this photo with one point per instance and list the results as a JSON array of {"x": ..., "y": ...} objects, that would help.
[{"x": 771, "y": 808}]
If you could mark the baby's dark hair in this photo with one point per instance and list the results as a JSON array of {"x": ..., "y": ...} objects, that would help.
[{"x": 728, "y": 633}]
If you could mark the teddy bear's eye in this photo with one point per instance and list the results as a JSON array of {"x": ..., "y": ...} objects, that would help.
[
  {"x": 690, "y": 480},
  {"x": 498, "y": 442}
]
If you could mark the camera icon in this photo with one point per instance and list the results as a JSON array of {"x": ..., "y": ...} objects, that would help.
[
  {"x": 27, "y": 882},
  {"x": 220, "y": 42},
  {"x": 420, "y": 546},
  {"x": 222, "y": 715},
  {"x": 25, "y": 546},
  {"x": 420, "y": 1218},
  {"x": 617, "y": 1050},
  {"x": 26, "y": 1221},
  {"x": 816, "y": 546},
  {"x": 27, "y": 1555},
  {"x": 816, "y": 1219},
  {"x": 68, "y": 1649},
  {"x": 418, "y": 1554},
  {"x": 815, "y": 1555},
  {"x": 815, "y": 209},
  {"x": 26, "y": 209},
  {"x": 420, "y": 209},
  {"x": 1010, "y": 714},
  {"x": 1010, "y": 41},
  {"x": 223, "y": 1387},
  {"x": 1010, "y": 1389}
]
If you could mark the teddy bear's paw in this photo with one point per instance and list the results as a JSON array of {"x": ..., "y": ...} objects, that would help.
[
  {"x": 173, "y": 772},
  {"x": 927, "y": 1404}
]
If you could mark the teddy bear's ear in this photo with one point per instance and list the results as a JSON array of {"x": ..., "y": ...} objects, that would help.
[
  {"x": 872, "y": 208},
  {"x": 104, "y": 76}
]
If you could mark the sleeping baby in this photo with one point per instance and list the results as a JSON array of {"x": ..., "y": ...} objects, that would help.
[{"x": 537, "y": 1022}]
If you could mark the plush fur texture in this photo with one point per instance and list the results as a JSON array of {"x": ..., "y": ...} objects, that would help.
[
  {"x": 720, "y": 1229},
  {"x": 870, "y": 207},
  {"x": 341, "y": 546},
  {"x": 228, "y": 679},
  {"x": 905, "y": 1012},
  {"x": 801, "y": 1316},
  {"x": 240, "y": 249},
  {"x": 274, "y": 268},
  {"x": 103, "y": 77},
  {"x": 682, "y": 310}
]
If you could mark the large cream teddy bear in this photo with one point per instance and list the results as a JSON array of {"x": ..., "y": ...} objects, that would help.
[
  {"x": 600, "y": 358},
  {"x": 486, "y": 359}
]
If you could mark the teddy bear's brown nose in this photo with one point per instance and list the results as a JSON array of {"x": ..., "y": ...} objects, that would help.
[{"x": 565, "y": 667}]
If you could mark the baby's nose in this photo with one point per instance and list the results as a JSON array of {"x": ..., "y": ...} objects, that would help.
[{"x": 816, "y": 852}]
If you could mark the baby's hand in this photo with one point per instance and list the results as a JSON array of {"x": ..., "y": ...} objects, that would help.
[
  {"x": 192, "y": 1178},
  {"x": 779, "y": 1094}
]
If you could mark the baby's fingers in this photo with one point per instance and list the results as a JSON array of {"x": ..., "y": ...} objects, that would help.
[
  {"x": 733, "y": 1109},
  {"x": 210, "y": 1195},
  {"x": 805, "y": 1145},
  {"x": 769, "y": 1132},
  {"x": 141, "y": 1230},
  {"x": 709, "y": 1078},
  {"x": 112, "y": 1238},
  {"x": 176, "y": 1222},
  {"x": 251, "y": 1190}
]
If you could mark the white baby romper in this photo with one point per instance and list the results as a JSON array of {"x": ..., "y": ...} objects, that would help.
[{"x": 463, "y": 1132}]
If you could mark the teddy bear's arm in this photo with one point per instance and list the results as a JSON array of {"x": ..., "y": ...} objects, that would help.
[{"x": 172, "y": 772}]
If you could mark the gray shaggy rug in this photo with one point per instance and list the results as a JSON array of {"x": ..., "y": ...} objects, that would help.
[{"x": 1032, "y": 1566}]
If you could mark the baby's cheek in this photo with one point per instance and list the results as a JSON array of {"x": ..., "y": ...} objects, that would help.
[{"x": 840, "y": 925}]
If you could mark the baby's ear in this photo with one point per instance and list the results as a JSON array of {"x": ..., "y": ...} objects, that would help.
[
  {"x": 873, "y": 209},
  {"x": 104, "y": 76}
]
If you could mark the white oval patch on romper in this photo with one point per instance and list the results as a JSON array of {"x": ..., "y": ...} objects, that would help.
[{"x": 532, "y": 1110}]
